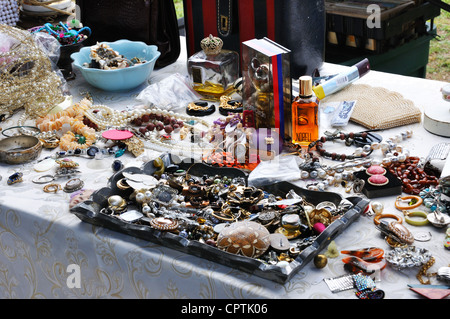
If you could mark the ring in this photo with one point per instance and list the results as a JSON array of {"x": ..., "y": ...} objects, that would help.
[
  {"x": 44, "y": 179},
  {"x": 52, "y": 188},
  {"x": 413, "y": 202},
  {"x": 122, "y": 184},
  {"x": 377, "y": 218},
  {"x": 416, "y": 222},
  {"x": 358, "y": 185}
]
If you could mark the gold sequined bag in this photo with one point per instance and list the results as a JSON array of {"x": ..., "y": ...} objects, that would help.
[{"x": 377, "y": 107}]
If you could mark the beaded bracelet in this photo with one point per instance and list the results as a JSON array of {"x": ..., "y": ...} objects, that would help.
[{"x": 349, "y": 139}]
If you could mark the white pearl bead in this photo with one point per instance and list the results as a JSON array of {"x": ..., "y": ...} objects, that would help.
[
  {"x": 377, "y": 207},
  {"x": 304, "y": 174},
  {"x": 401, "y": 158},
  {"x": 321, "y": 173},
  {"x": 140, "y": 197},
  {"x": 406, "y": 152},
  {"x": 375, "y": 146},
  {"x": 358, "y": 151},
  {"x": 376, "y": 162},
  {"x": 146, "y": 209},
  {"x": 367, "y": 148},
  {"x": 330, "y": 180},
  {"x": 384, "y": 146}
]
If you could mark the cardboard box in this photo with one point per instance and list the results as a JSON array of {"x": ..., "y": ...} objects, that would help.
[{"x": 267, "y": 84}]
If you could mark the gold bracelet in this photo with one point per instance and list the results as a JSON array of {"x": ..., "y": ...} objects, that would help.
[{"x": 52, "y": 188}]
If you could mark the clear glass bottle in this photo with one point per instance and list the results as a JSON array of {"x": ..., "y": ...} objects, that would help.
[
  {"x": 305, "y": 114},
  {"x": 213, "y": 71}
]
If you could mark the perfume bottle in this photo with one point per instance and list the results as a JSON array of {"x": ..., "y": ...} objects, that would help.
[
  {"x": 213, "y": 70},
  {"x": 305, "y": 114}
]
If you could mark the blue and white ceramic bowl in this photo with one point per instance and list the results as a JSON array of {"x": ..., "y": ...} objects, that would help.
[{"x": 119, "y": 79}]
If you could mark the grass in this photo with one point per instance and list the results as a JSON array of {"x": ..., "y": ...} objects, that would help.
[{"x": 438, "y": 67}]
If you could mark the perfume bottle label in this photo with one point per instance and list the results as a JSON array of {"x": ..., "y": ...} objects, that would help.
[
  {"x": 303, "y": 136},
  {"x": 197, "y": 75}
]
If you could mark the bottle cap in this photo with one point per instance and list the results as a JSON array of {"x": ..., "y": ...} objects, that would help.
[
  {"x": 305, "y": 85},
  {"x": 363, "y": 67},
  {"x": 211, "y": 45}
]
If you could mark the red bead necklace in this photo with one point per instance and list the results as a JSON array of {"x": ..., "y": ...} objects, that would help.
[{"x": 413, "y": 177}]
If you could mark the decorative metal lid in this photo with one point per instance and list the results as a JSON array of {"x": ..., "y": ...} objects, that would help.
[{"x": 211, "y": 45}]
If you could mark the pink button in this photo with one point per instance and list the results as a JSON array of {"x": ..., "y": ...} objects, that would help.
[
  {"x": 117, "y": 135},
  {"x": 376, "y": 169},
  {"x": 378, "y": 180}
]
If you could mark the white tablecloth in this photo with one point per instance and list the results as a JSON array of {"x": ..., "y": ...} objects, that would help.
[{"x": 40, "y": 238}]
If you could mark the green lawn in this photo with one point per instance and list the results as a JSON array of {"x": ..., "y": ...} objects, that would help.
[
  {"x": 439, "y": 59},
  {"x": 438, "y": 67}
]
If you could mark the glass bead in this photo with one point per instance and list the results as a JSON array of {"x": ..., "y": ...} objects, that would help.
[
  {"x": 428, "y": 202},
  {"x": 119, "y": 153}
]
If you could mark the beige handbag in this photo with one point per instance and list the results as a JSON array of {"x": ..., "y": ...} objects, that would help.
[{"x": 377, "y": 107}]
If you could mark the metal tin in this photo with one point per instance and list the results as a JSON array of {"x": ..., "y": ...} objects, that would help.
[{"x": 19, "y": 149}]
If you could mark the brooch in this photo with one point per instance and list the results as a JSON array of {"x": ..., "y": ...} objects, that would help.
[
  {"x": 15, "y": 178},
  {"x": 73, "y": 185}
]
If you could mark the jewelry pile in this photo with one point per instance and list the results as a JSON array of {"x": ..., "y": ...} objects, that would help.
[
  {"x": 26, "y": 77},
  {"x": 105, "y": 58},
  {"x": 221, "y": 211}
]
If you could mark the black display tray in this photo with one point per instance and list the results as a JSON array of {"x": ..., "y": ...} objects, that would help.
[
  {"x": 393, "y": 187},
  {"x": 89, "y": 211}
]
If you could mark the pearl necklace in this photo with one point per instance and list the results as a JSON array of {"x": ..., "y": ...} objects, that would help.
[
  {"x": 103, "y": 116},
  {"x": 106, "y": 118}
]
